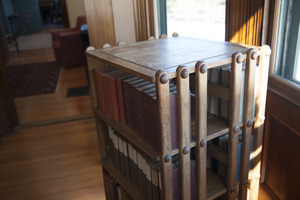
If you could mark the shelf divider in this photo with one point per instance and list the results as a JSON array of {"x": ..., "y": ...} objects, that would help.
[
  {"x": 122, "y": 180},
  {"x": 130, "y": 135}
]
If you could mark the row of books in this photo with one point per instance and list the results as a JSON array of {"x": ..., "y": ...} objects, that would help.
[
  {"x": 144, "y": 172},
  {"x": 141, "y": 170},
  {"x": 113, "y": 191},
  {"x": 132, "y": 100}
]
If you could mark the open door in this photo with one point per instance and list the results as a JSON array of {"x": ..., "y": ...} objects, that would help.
[{"x": 8, "y": 114}]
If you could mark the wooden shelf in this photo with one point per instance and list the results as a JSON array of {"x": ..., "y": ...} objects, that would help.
[
  {"x": 130, "y": 135},
  {"x": 215, "y": 128},
  {"x": 215, "y": 185},
  {"x": 122, "y": 180}
]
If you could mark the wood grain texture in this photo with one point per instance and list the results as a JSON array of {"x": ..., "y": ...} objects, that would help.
[
  {"x": 260, "y": 107},
  {"x": 143, "y": 59},
  {"x": 163, "y": 99},
  {"x": 59, "y": 161},
  {"x": 247, "y": 121},
  {"x": 92, "y": 65},
  {"x": 219, "y": 91},
  {"x": 31, "y": 56},
  {"x": 201, "y": 129},
  {"x": 234, "y": 106},
  {"x": 52, "y": 106},
  {"x": 122, "y": 180},
  {"x": 100, "y": 21},
  {"x": 183, "y": 126},
  {"x": 129, "y": 134},
  {"x": 280, "y": 166}
]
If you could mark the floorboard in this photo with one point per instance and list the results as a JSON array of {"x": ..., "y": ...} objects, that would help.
[
  {"x": 55, "y": 106},
  {"x": 59, "y": 161}
]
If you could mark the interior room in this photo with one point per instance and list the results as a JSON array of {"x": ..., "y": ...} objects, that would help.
[{"x": 92, "y": 93}]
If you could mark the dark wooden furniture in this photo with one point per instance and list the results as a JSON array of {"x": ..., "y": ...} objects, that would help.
[
  {"x": 181, "y": 58},
  {"x": 68, "y": 45},
  {"x": 281, "y": 150}
]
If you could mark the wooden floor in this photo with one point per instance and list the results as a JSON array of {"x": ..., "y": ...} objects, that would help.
[
  {"x": 55, "y": 161},
  {"x": 58, "y": 162},
  {"x": 48, "y": 108},
  {"x": 31, "y": 56}
]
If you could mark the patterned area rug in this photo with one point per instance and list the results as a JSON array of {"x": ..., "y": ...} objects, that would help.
[{"x": 33, "y": 79}]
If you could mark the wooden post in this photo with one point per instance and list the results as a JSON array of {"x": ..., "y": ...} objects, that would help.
[
  {"x": 102, "y": 132},
  {"x": 183, "y": 129},
  {"x": 234, "y": 112},
  {"x": 163, "y": 100},
  {"x": 261, "y": 95},
  {"x": 100, "y": 20},
  {"x": 92, "y": 65},
  {"x": 201, "y": 129},
  {"x": 101, "y": 129},
  {"x": 247, "y": 121}
]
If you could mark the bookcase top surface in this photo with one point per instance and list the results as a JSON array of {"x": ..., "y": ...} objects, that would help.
[{"x": 145, "y": 58}]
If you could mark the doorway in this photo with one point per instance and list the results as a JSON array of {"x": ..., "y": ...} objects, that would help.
[{"x": 51, "y": 107}]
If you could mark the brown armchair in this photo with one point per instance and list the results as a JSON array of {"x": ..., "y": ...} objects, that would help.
[{"x": 68, "y": 46}]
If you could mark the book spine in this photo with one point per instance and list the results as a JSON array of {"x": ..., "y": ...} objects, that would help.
[
  {"x": 126, "y": 160},
  {"x": 114, "y": 99},
  {"x": 99, "y": 87},
  {"x": 140, "y": 173},
  {"x": 107, "y": 93},
  {"x": 117, "y": 153},
  {"x": 107, "y": 186},
  {"x": 121, "y": 154},
  {"x": 121, "y": 100},
  {"x": 147, "y": 174},
  {"x": 112, "y": 149},
  {"x": 154, "y": 182},
  {"x": 133, "y": 164}
]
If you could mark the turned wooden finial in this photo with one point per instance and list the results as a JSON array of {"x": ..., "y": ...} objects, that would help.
[
  {"x": 184, "y": 73},
  {"x": 163, "y": 36},
  {"x": 120, "y": 43},
  {"x": 89, "y": 48},
  {"x": 106, "y": 45},
  {"x": 175, "y": 34}
]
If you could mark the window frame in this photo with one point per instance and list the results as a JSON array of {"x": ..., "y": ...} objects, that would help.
[{"x": 285, "y": 88}]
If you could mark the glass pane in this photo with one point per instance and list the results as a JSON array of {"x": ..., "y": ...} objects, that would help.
[
  {"x": 197, "y": 18},
  {"x": 288, "y": 43},
  {"x": 296, "y": 75}
]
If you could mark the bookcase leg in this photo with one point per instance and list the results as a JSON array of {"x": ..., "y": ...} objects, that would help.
[
  {"x": 247, "y": 121},
  {"x": 92, "y": 65},
  {"x": 201, "y": 129},
  {"x": 234, "y": 107},
  {"x": 101, "y": 130},
  {"x": 183, "y": 126},
  {"x": 259, "y": 122},
  {"x": 163, "y": 99}
]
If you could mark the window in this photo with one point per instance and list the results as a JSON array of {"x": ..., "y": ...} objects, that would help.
[
  {"x": 287, "y": 60},
  {"x": 193, "y": 18},
  {"x": 197, "y": 18}
]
